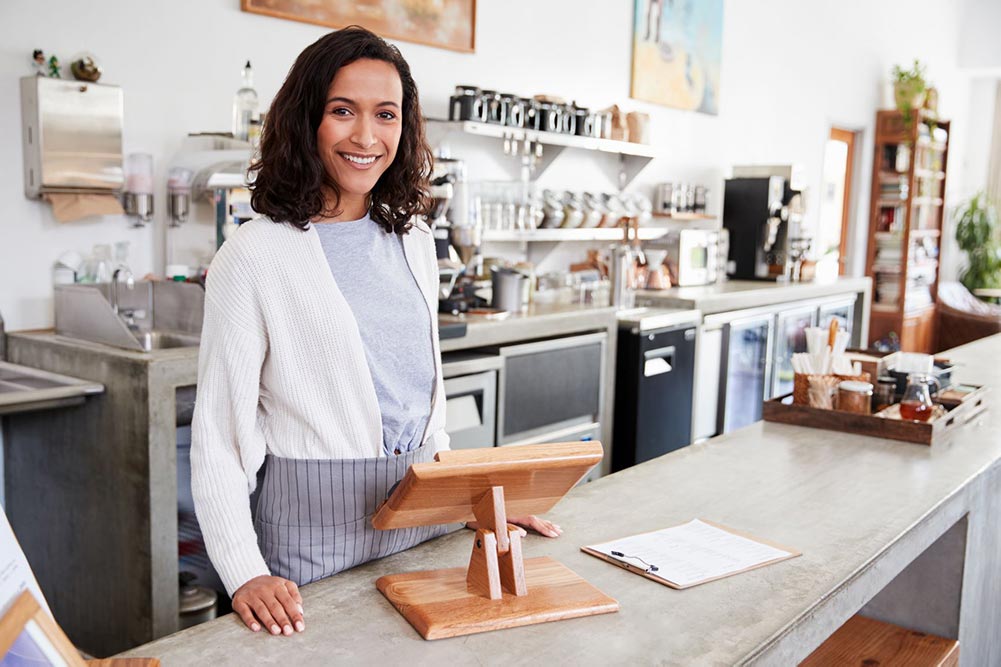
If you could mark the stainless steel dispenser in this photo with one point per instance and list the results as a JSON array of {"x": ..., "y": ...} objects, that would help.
[{"x": 72, "y": 136}]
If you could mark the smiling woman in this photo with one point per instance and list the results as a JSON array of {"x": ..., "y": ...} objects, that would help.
[
  {"x": 319, "y": 360},
  {"x": 348, "y": 98}
]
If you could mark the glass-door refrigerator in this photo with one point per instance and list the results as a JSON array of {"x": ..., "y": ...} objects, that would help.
[
  {"x": 790, "y": 338},
  {"x": 747, "y": 355}
]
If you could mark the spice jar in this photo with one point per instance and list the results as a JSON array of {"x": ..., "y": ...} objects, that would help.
[
  {"x": 855, "y": 396},
  {"x": 885, "y": 393}
]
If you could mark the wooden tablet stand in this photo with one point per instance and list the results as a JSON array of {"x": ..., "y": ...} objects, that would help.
[{"x": 499, "y": 589}]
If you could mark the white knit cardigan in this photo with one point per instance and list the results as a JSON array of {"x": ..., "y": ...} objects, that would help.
[{"x": 282, "y": 370}]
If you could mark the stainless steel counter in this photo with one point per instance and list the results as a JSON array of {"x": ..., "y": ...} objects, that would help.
[
  {"x": 742, "y": 294},
  {"x": 868, "y": 514},
  {"x": 536, "y": 322}
]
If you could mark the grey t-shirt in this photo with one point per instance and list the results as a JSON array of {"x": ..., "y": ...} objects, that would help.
[{"x": 371, "y": 270}]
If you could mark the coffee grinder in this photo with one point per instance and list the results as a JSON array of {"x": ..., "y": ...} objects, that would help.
[{"x": 457, "y": 242}]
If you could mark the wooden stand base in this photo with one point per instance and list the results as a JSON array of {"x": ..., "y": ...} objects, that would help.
[{"x": 439, "y": 603}]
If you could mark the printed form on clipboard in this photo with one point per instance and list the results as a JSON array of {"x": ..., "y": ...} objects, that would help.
[{"x": 690, "y": 554}]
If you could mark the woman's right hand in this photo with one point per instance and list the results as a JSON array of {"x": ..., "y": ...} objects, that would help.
[{"x": 270, "y": 602}]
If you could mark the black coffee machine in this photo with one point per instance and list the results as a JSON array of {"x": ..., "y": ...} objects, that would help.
[{"x": 763, "y": 215}]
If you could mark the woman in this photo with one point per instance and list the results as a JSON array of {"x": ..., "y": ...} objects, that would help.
[{"x": 319, "y": 352}]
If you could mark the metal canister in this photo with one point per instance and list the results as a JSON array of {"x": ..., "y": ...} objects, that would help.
[{"x": 196, "y": 604}]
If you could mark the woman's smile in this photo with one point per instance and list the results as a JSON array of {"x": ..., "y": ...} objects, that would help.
[{"x": 360, "y": 160}]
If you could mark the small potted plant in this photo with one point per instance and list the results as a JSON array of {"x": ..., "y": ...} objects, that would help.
[
  {"x": 977, "y": 235},
  {"x": 909, "y": 88}
]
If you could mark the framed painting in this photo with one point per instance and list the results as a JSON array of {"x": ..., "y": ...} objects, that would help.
[
  {"x": 446, "y": 24},
  {"x": 677, "y": 47}
]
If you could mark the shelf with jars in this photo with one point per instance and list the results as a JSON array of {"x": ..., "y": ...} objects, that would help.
[
  {"x": 906, "y": 213},
  {"x": 512, "y": 211},
  {"x": 538, "y": 148}
]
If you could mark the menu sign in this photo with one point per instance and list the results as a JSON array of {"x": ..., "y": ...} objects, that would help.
[{"x": 15, "y": 573}]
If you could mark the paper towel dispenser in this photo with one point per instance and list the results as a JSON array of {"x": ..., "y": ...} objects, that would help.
[{"x": 72, "y": 136}]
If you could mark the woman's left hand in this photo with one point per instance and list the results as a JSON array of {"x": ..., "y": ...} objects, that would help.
[{"x": 538, "y": 524}]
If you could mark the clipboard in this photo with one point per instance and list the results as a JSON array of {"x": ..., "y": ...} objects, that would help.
[{"x": 654, "y": 576}]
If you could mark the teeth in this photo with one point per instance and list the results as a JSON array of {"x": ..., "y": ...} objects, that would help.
[{"x": 358, "y": 160}]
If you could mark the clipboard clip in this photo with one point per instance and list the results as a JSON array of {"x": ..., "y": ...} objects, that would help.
[{"x": 649, "y": 567}]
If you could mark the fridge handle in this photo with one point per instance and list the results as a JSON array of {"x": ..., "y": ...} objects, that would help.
[{"x": 658, "y": 361}]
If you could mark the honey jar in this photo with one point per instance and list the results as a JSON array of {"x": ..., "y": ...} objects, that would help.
[{"x": 855, "y": 396}]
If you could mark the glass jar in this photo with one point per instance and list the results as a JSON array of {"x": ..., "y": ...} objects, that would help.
[
  {"x": 884, "y": 394},
  {"x": 855, "y": 396},
  {"x": 916, "y": 404}
]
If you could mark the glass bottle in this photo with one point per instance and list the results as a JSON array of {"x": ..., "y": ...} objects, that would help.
[
  {"x": 245, "y": 107},
  {"x": 916, "y": 403}
]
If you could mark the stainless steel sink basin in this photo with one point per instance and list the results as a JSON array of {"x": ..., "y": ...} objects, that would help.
[
  {"x": 163, "y": 340},
  {"x": 160, "y": 316},
  {"x": 23, "y": 389}
]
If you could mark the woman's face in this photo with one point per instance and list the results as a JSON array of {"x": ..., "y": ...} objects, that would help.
[{"x": 361, "y": 127}]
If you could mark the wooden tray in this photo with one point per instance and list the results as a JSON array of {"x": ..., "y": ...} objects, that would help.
[{"x": 782, "y": 410}]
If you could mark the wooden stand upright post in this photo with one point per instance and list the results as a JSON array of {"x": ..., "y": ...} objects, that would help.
[{"x": 496, "y": 562}]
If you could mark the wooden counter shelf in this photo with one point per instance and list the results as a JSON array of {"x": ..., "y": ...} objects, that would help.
[{"x": 866, "y": 641}]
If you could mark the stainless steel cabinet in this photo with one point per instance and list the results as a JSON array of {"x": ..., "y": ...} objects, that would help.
[
  {"x": 471, "y": 409},
  {"x": 549, "y": 386}
]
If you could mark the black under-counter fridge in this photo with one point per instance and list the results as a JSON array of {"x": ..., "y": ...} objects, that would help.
[{"x": 655, "y": 372}]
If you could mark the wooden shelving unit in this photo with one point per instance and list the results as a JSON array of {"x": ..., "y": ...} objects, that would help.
[{"x": 905, "y": 226}]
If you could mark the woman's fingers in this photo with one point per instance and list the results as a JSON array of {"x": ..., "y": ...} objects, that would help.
[
  {"x": 539, "y": 525},
  {"x": 546, "y": 527},
  {"x": 292, "y": 608},
  {"x": 264, "y": 614},
  {"x": 278, "y": 613},
  {"x": 243, "y": 609},
  {"x": 293, "y": 590}
]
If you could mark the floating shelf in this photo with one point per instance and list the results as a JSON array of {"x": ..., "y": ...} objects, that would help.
[
  {"x": 546, "y": 138},
  {"x": 684, "y": 216},
  {"x": 633, "y": 157},
  {"x": 557, "y": 235}
]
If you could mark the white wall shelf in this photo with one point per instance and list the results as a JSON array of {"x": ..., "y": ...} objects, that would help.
[
  {"x": 633, "y": 157},
  {"x": 557, "y": 235}
]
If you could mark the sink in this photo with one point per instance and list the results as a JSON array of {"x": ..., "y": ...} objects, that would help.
[
  {"x": 168, "y": 315},
  {"x": 24, "y": 389},
  {"x": 163, "y": 340}
]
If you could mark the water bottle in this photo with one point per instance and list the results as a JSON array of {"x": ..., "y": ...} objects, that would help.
[{"x": 245, "y": 105}]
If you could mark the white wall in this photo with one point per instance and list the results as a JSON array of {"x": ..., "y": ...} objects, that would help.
[{"x": 790, "y": 69}]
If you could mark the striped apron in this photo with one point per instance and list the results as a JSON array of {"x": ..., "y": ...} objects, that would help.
[{"x": 314, "y": 516}]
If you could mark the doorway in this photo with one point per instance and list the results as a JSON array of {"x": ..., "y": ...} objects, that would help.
[{"x": 835, "y": 203}]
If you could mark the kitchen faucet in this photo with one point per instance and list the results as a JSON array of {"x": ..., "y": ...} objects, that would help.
[{"x": 130, "y": 282}]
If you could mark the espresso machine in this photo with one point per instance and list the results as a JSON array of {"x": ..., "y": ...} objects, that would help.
[
  {"x": 762, "y": 212},
  {"x": 457, "y": 242}
]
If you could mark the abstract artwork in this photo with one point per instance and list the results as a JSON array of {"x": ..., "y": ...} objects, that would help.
[
  {"x": 677, "y": 47},
  {"x": 447, "y": 24}
]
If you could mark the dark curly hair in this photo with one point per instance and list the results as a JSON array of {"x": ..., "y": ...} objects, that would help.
[{"x": 288, "y": 179}]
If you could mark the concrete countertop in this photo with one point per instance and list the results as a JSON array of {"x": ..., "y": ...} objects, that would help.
[
  {"x": 859, "y": 508},
  {"x": 535, "y": 322},
  {"x": 538, "y": 321},
  {"x": 741, "y": 294}
]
